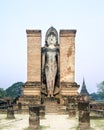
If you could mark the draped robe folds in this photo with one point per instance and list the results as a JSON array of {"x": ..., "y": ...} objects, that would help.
[{"x": 50, "y": 67}]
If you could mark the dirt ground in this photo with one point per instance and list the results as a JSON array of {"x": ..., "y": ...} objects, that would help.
[{"x": 51, "y": 122}]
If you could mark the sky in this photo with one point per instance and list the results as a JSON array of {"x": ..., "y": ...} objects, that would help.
[{"x": 86, "y": 16}]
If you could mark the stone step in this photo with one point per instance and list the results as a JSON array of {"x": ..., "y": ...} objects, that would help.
[
  {"x": 51, "y": 111},
  {"x": 50, "y": 99},
  {"x": 52, "y": 108},
  {"x": 59, "y": 109}
]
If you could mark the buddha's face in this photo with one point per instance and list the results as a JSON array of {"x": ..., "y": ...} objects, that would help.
[{"x": 51, "y": 40}]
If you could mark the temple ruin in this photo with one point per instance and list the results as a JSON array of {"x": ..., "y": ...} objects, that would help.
[{"x": 50, "y": 69}]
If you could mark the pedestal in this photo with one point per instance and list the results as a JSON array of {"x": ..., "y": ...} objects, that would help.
[
  {"x": 10, "y": 112},
  {"x": 84, "y": 116},
  {"x": 34, "y": 120}
]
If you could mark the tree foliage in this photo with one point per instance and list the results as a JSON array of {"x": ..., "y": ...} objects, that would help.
[
  {"x": 2, "y": 92},
  {"x": 95, "y": 96},
  {"x": 15, "y": 90},
  {"x": 100, "y": 87}
]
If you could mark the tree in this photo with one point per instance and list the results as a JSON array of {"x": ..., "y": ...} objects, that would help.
[
  {"x": 2, "y": 92},
  {"x": 15, "y": 90},
  {"x": 100, "y": 91},
  {"x": 95, "y": 96}
]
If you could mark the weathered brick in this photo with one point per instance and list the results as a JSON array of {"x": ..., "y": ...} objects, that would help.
[
  {"x": 34, "y": 55},
  {"x": 67, "y": 55}
]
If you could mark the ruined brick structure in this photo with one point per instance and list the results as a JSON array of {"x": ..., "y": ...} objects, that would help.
[{"x": 34, "y": 92}]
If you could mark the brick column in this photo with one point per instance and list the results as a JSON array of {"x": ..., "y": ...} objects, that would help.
[
  {"x": 42, "y": 111},
  {"x": 33, "y": 84},
  {"x": 67, "y": 55},
  {"x": 33, "y": 55},
  {"x": 84, "y": 116},
  {"x": 67, "y": 63},
  {"x": 10, "y": 112},
  {"x": 34, "y": 121}
]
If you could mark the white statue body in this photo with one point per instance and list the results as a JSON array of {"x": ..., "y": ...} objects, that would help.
[{"x": 51, "y": 62}]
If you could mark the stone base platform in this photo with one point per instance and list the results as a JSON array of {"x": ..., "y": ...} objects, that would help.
[
  {"x": 69, "y": 88},
  {"x": 32, "y": 89}
]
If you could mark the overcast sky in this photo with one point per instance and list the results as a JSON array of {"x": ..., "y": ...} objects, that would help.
[{"x": 86, "y": 16}]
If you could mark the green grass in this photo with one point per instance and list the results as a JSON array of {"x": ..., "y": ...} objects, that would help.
[
  {"x": 25, "y": 129},
  {"x": 44, "y": 127},
  {"x": 40, "y": 128},
  {"x": 97, "y": 123}
]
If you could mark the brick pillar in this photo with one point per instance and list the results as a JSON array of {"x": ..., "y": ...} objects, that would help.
[
  {"x": 34, "y": 121},
  {"x": 42, "y": 111},
  {"x": 33, "y": 84},
  {"x": 67, "y": 55},
  {"x": 67, "y": 63},
  {"x": 10, "y": 112},
  {"x": 84, "y": 116},
  {"x": 33, "y": 55},
  {"x": 72, "y": 110}
]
